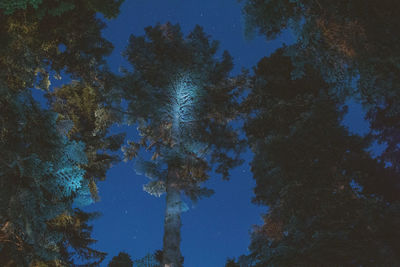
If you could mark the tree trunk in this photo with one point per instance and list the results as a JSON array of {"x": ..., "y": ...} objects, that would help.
[{"x": 172, "y": 227}]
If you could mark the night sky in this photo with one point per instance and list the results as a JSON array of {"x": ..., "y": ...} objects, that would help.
[{"x": 217, "y": 227}]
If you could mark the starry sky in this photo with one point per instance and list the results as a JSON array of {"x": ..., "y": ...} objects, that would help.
[{"x": 214, "y": 228}]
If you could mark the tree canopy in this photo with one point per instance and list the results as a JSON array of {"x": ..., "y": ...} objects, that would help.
[
  {"x": 44, "y": 171},
  {"x": 354, "y": 43},
  {"x": 318, "y": 181},
  {"x": 329, "y": 200},
  {"x": 182, "y": 98}
]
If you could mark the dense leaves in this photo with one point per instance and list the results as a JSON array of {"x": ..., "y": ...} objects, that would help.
[
  {"x": 87, "y": 118},
  {"x": 33, "y": 48},
  {"x": 317, "y": 178},
  {"x": 354, "y": 43},
  {"x": 303, "y": 153},
  {"x": 121, "y": 260},
  {"x": 42, "y": 170},
  {"x": 40, "y": 179}
]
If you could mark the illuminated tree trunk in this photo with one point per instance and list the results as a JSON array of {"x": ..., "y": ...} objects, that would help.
[
  {"x": 172, "y": 225},
  {"x": 181, "y": 107}
]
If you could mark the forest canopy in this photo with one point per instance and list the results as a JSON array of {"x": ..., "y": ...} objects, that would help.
[{"x": 328, "y": 199}]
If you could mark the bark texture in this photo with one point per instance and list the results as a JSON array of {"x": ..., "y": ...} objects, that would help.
[{"x": 172, "y": 225}]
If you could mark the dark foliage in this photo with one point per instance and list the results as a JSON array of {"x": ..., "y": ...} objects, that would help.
[
  {"x": 355, "y": 44},
  {"x": 40, "y": 168},
  {"x": 122, "y": 260},
  {"x": 315, "y": 177}
]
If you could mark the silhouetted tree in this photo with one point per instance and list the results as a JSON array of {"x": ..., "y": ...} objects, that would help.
[
  {"x": 182, "y": 98},
  {"x": 355, "y": 44},
  {"x": 315, "y": 177},
  {"x": 122, "y": 260}
]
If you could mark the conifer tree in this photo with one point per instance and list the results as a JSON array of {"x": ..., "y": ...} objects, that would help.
[
  {"x": 121, "y": 260},
  {"x": 354, "y": 43},
  {"x": 87, "y": 116},
  {"x": 41, "y": 176},
  {"x": 43, "y": 173},
  {"x": 316, "y": 178},
  {"x": 38, "y": 43},
  {"x": 182, "y": 99}
]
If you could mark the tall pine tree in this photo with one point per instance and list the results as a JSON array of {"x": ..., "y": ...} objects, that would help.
[{"x": 182, "y": 99}]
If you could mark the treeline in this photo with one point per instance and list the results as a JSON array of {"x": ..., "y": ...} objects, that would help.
[{"x": 330, "y": 201}]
